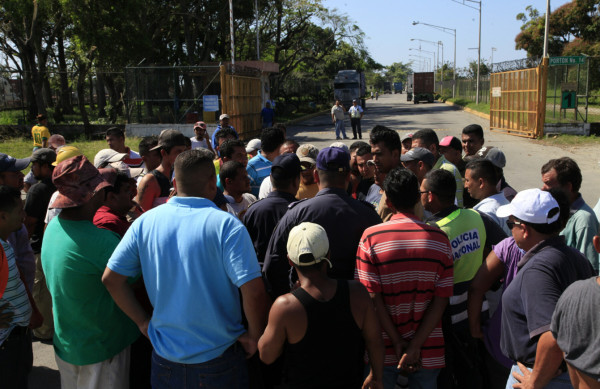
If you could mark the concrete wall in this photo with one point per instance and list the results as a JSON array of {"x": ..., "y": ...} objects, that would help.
[
  {"x": 567, "y": 128},
  {"x": 155, "y": 129}
]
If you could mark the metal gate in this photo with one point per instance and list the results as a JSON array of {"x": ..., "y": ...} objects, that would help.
[
  {"x": 241, "y": 99},
  {"x": 518, "y": 101}
]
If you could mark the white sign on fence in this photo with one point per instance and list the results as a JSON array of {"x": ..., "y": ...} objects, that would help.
[
  {"x": 210, "y": 103},
  {"x": 497, "y": 91}
]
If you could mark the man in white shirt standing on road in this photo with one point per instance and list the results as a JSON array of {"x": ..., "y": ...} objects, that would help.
[
  {"x": 356, "y": 113},
  {"x": 337, "y": 116}
]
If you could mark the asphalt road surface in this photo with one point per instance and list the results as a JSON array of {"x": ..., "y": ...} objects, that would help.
[{"x": 525, "y": 158}]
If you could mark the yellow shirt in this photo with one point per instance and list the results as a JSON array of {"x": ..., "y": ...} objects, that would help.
[
  {"x": 39, "y": 133},
  {"x": 307, "y": 192}
]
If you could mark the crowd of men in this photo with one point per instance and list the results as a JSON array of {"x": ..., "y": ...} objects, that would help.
[{"x": 395, "y": 263}]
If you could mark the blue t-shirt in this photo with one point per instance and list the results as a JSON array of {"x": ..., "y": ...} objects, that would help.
[
  {"x": 258, "y": 169},
  {"x": 193, "y": 258},
  {"x": 268, "y": 114}
]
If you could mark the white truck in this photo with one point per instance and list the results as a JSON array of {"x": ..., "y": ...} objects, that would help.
[{"x": 349, "y": 85}]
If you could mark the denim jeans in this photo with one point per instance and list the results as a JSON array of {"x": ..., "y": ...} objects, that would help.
[
  {"x": 421, "y": 379},
  {"x": 561, "y": 382},
  {"x": 226, "y": 371},
  {"x": 339, "y": 127}
]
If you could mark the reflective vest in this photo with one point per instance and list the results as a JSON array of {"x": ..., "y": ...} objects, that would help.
[{"x": 466, "y": 232}]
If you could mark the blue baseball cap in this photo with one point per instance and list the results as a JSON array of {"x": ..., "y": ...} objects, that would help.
[
  {"x": 10, "y": 164},
  {"x": 333, "y": 159},
  {"x": 286, "y": 166}
]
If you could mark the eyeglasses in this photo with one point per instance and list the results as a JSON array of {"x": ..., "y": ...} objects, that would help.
[{"x": 511, "y": 224}]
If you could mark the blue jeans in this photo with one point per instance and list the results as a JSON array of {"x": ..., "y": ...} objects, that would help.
[
  {"x": 226, "y": 371},
  {"x": 339, "y": 127},
  {"x": 421, "y": 379},
  {"x": 561, "y": 382}
]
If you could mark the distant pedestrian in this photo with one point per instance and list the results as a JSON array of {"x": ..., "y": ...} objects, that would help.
[
  {"x": 201, "y": 138},
  {"x": 356, "y": 114},
  {"x": 223, "y": 124},
  {"x": 268, "y": 115},
  {"x": 40, "y": 132},
  {"x": 115, "y": 138},
  {"x": 338, "y": 112}
]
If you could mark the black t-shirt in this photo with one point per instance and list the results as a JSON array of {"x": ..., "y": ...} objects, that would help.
[{"x": 36, "y": 205}]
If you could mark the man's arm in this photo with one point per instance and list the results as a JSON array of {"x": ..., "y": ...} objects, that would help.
[
  {"x": 388, "y": 325},
  {"x": 371, "y": 332},
  {"x": 431, "y": 318},
  {"x": 256, "y": 307},
  {"x": 148, "y": 190},
  {"x": 270, "y": 344},
  {"x": 548, "y": 358},
  {"x": 490, "y": 271},
  {"x": 124, "y": 297}
]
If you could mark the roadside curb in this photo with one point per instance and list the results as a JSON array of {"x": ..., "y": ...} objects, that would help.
[
  {"x": 469, "y": 110},
  {"x": 306, "y": 117}
]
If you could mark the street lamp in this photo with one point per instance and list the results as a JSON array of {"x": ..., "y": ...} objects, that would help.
[
  {"x": 447, "y": 31},
  {"x": 426, "y": 60},
  {"x": 479, "y": 45}
]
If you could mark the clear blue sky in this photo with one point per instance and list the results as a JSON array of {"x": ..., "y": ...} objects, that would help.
[{"x": 388, "y": 27}]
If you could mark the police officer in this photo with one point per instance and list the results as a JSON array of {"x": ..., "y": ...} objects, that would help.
[
  {"x": 263, "y": 215},
  {"x": 343, "y": 217}
]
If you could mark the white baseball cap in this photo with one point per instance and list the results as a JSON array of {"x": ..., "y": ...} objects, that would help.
[
  {"x": 532, "y": 206},
  {"x": 108, "y": 156},
  {"x": 308, "y": 238},
  {"x": 253, "y": 144}
]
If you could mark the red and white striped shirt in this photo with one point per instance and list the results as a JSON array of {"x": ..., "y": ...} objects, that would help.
[{"x": 408, "y": 262}]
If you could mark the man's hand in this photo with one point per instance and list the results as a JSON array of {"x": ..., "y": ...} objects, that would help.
[
  {"x": 5, "y": 315},
  {"x": 411, "y": 360},
  {"x": 399, "y": 347},
  {"x": 524, "y": 378},
  {"x": 249, "y": 344},
  {"x": 372, "y": 383},
  {"x": 143, "y": 327}
]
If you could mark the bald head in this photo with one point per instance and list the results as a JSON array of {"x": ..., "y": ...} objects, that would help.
[{"x": 195, "y": 174}]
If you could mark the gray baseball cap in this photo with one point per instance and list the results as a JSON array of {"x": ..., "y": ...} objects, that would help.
[{"x": 419, "y": 154}]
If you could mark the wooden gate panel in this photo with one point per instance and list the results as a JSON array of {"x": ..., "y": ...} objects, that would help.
[
  {"x": 241, "y": 99},
  {"x": 520, "y": 108}
]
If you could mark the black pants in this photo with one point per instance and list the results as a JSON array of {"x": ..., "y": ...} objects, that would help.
[
  {"x": 16, "y": 358},
  {"x": 355, "y": 123}
]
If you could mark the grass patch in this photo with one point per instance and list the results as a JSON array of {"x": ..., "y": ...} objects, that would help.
[
  {"x": 22, "y": 147},
  {"x": 570, "y": 140},
  {"x": 481, "y": 107},
  {"x": 570, "y": 117}
]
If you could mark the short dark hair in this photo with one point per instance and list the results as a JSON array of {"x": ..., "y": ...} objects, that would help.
[
  {"x": 41, "y": 117},
  {"x": 363, "y": 150},
  {"x": 401, "y": 187},
  {"x": 190, "y": 162},
  {"x": 120, "y": 180},
  {"x": 228, "y": 147},
  {"x": 563, "y": 210},
  {"x": 116, "y": 131},
  {"x": 291, "y": 142},
  {"x": 441, "y": 183},
  {"x": 9, "y": 198},
  {"x": 567, "y": 171},
  {"x": 427, "y": 136},
  {"x": 382, "y": 134},
  {"x": 271, "y": 139},
  {"x": 484, "y": 169},
  {"x": 147, "y": 143},
  {"x": 356, "y": 145},
  {"x": 225, "y": 133},
  {"x": 282, "y": 183},
  {"x": 473, "y": 129},
  {"x": 229, "y": 170}
]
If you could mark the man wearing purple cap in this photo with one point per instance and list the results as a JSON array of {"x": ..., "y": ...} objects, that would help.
[
  {"x": 92, "y": 336},
  {"x": 343, "y": 217}
]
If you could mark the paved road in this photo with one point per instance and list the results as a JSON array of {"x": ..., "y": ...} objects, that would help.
[{"x": 524, "y": 160}]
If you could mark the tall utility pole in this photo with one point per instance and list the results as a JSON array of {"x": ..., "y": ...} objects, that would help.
[
  {"x": 447, "y": 31},
  {"x": 257, "y": 32},
  {"x": 231, "y": 32},
  {"x": 546, "y": 29},
  {"x": 479, "y": 45},
  {"x": 492, "y": 64}
]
